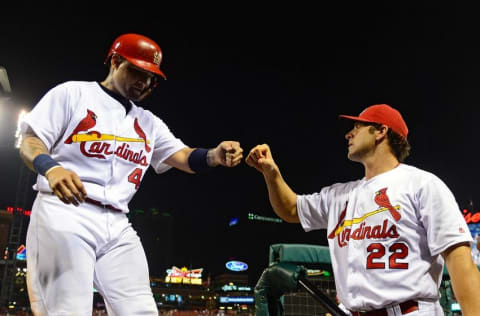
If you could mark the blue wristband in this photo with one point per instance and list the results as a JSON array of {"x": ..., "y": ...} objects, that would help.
[
  {"x": 43, "y": 162},
  {"x": 197, "y": 161}
]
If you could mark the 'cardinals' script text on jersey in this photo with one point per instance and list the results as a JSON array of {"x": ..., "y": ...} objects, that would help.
[{"x": 87, "y": 131}]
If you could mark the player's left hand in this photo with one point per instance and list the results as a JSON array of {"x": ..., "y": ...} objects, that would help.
[{"x": 227, "y": 153}]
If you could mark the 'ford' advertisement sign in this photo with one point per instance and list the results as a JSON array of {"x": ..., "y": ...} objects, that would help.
[{"x": 236, "y": 266}]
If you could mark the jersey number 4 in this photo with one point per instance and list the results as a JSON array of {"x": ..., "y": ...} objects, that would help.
[
  {"x": 135, "y": 177},
  {"x": 377, "y": 252}
]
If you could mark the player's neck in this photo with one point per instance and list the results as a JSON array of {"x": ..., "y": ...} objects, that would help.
[
  {"x": 108, "y": 85},
  {"x": 121, "y": 99},
  {"x": 379, "y": 163}
]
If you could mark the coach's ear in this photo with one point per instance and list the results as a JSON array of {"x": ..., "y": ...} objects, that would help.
[{"x": 381, "y": 133}]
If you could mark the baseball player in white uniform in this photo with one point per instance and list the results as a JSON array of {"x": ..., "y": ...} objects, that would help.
[
  {"x": 390, "y": 232},
  {"x": 91, "y": 146}
]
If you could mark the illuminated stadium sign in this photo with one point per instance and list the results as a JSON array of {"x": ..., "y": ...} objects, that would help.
[
  {"x": 255, "y": 217},
  {"x": 183, "y": 275},
  {"x": 471, "y": 217},
  {"x": 236, "y": 266},
  {"x": 232, "y": 287},
  {"x": 237, "y": 299},
  {"x": 18, "y": 210},
  {"x": 21, "y": 253}
]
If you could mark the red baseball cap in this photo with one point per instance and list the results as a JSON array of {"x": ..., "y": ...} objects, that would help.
[{"x": 382, "y": 114}]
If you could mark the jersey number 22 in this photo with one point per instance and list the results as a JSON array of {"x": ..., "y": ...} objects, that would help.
[{"x": 377, "y": 252}]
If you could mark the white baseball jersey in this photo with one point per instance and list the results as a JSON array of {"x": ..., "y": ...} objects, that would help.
[
  {"x": 89, "y": 132},
  {"x": 386, "y": 235}
]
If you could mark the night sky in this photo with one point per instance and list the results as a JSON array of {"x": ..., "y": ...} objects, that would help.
[{"x": 276, "y": 76}]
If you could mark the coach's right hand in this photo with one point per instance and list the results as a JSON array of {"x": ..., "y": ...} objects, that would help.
[
  {"x": 66, "y": 185},
  {"x": 260, "y": 157}
]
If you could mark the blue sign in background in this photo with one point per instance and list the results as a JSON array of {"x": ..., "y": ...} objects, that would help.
[
  {"x": 237, "y": 299},
  {"x": 236, "y": 266}
]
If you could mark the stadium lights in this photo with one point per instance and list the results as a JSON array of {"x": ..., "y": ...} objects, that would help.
[
  {"x": 18, "y": 133},
  {"x": 4, "y": 83}
]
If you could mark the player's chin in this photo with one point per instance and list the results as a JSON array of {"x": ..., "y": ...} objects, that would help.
[
  {"x": 349, "y": 153},
  {"x": 351, "y": 156},
  {"x": 135, "y": 94}
]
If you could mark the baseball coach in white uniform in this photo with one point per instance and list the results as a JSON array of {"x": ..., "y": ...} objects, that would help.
[
  {"x": 91, "y": 146},
  {"x": 390, "y": 232}
]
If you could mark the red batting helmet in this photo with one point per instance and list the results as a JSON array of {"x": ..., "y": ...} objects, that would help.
[{"x": 140, "y": 51}]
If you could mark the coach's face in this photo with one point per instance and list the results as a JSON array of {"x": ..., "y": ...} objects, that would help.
[
  {"x": 361, "y": 141},
  {"x": 132, "y": 82}
]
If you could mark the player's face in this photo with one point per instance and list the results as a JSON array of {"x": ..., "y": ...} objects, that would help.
[
  {"x": 131, "y": 81},
  {"x": 361, "y": 141}
]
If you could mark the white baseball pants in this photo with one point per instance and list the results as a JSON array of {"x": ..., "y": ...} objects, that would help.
[{"x": 72, "y": 249}]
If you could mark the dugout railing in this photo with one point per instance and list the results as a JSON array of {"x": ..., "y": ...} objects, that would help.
[{"x": 299, "y": 282}]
